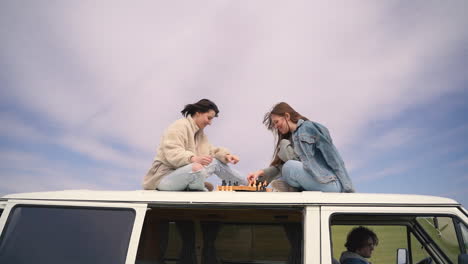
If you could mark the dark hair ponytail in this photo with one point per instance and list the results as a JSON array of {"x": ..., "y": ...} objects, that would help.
[{"x": 202, "y": 106}]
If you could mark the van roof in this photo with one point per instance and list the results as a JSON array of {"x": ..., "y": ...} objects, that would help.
[{"x": 236, "y": 198}]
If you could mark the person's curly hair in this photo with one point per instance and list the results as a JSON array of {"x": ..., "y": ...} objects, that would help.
[{"x": 358, "y": 238}]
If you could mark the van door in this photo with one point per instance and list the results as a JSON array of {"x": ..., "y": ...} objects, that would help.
[
  {"x": 427, "y": 234},
  {"x": 70, "y": 232}
]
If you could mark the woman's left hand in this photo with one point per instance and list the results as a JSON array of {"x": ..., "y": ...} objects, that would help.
[{"x": 232, "y": 159}]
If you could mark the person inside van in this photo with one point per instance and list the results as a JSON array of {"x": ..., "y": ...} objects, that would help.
[
  {"x": 360, "y": 244},
  {"x": 185, "y": 157},
  {"x": 304, "y": 157}
]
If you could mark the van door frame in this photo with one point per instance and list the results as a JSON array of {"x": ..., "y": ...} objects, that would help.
[
  {"x": 327, "y": 211},
  {"x": 2, "y": 206},
  {"x": 140, "y": 211},
  {"x": 311, "y": 235}
]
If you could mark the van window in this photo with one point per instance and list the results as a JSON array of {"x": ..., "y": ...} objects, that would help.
[
  {"x": 442, "y": 231},
  {"x": 252, "y": 242},
  {"x": 222, "y": 235},
  {"x": 40, "y": 234},
  {"x": 390, "y": 239},
  {"x": 418, "y": 252},
  {"x": 426, "y": 238}
]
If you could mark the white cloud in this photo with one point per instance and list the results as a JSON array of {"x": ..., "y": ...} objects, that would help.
[
  {"x": 368, "y": 146},
  {"x": 28, "y": 172},
  {"x": 393, "y": 139},
  {"x": 101, "y": 152},
  {"x": 24, "y": 171},
  {"x": 87, "y": 145},
  {"x": 14, "y": 128},
  {"x": 383, "y": 173},
  {"x": 17, "y": 158},
  {"x": 343, "y": 65}
]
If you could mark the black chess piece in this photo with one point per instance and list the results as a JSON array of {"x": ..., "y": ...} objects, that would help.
[{"x": 260, "y": 184}]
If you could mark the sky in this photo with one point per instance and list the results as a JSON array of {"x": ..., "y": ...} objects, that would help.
[{"x": 88, "y": 87}]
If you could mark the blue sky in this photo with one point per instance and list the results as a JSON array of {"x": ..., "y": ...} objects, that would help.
[{"x": 86, "y": 88}]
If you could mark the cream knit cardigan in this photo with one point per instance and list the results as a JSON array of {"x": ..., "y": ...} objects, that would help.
[{"x": 181, "y": 141}]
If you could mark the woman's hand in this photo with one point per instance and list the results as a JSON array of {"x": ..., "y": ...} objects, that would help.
[
  {"x": 203, "y": 160},
  {"x": 253, "y": 176},
  {"x": 232, "y": 158}
]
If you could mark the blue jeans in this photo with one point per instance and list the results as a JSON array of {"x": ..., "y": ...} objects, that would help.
[
  {"x": 294, "y": 174},
  {"x": 184, "y": 178}
]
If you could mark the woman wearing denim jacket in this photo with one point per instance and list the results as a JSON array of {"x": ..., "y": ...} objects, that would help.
[{"x": 305, "y": 157}]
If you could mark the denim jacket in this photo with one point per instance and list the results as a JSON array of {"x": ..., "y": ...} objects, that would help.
[{"x": 320, "y": 158}]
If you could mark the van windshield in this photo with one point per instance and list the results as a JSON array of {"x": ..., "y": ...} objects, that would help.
[{"x": 39, "y": 234}]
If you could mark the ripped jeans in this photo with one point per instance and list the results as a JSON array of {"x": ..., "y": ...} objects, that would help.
[{"x": 184, "y": 178}]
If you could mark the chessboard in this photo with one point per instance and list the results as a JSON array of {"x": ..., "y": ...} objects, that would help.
[
  {"x": 256, "y": 186},
  {"x": 243, "y": 189}
]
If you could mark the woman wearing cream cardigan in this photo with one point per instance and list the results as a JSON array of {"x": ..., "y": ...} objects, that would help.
[{"x": 185, "y": 157}]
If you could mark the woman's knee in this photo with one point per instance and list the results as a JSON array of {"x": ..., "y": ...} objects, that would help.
[
  {"x": 292, "y": 171},
  {"x": 197, "y": 167},
  {"x": 289, "y": 166},
  {"x": 214, "y": 165},
  {"x": 216, "y": 162}
]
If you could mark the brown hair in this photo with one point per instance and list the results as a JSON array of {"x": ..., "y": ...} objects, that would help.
[
  {"x": 358, "y": 238},
  {"x": 280, "y": 109}
]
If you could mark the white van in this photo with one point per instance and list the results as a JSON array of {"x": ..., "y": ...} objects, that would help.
[{"x": 113, "y": 227}]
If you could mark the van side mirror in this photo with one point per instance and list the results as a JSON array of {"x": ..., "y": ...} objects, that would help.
[
  {"x": 463, "y": 259},
  {"x": 402, "y": 256}
]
